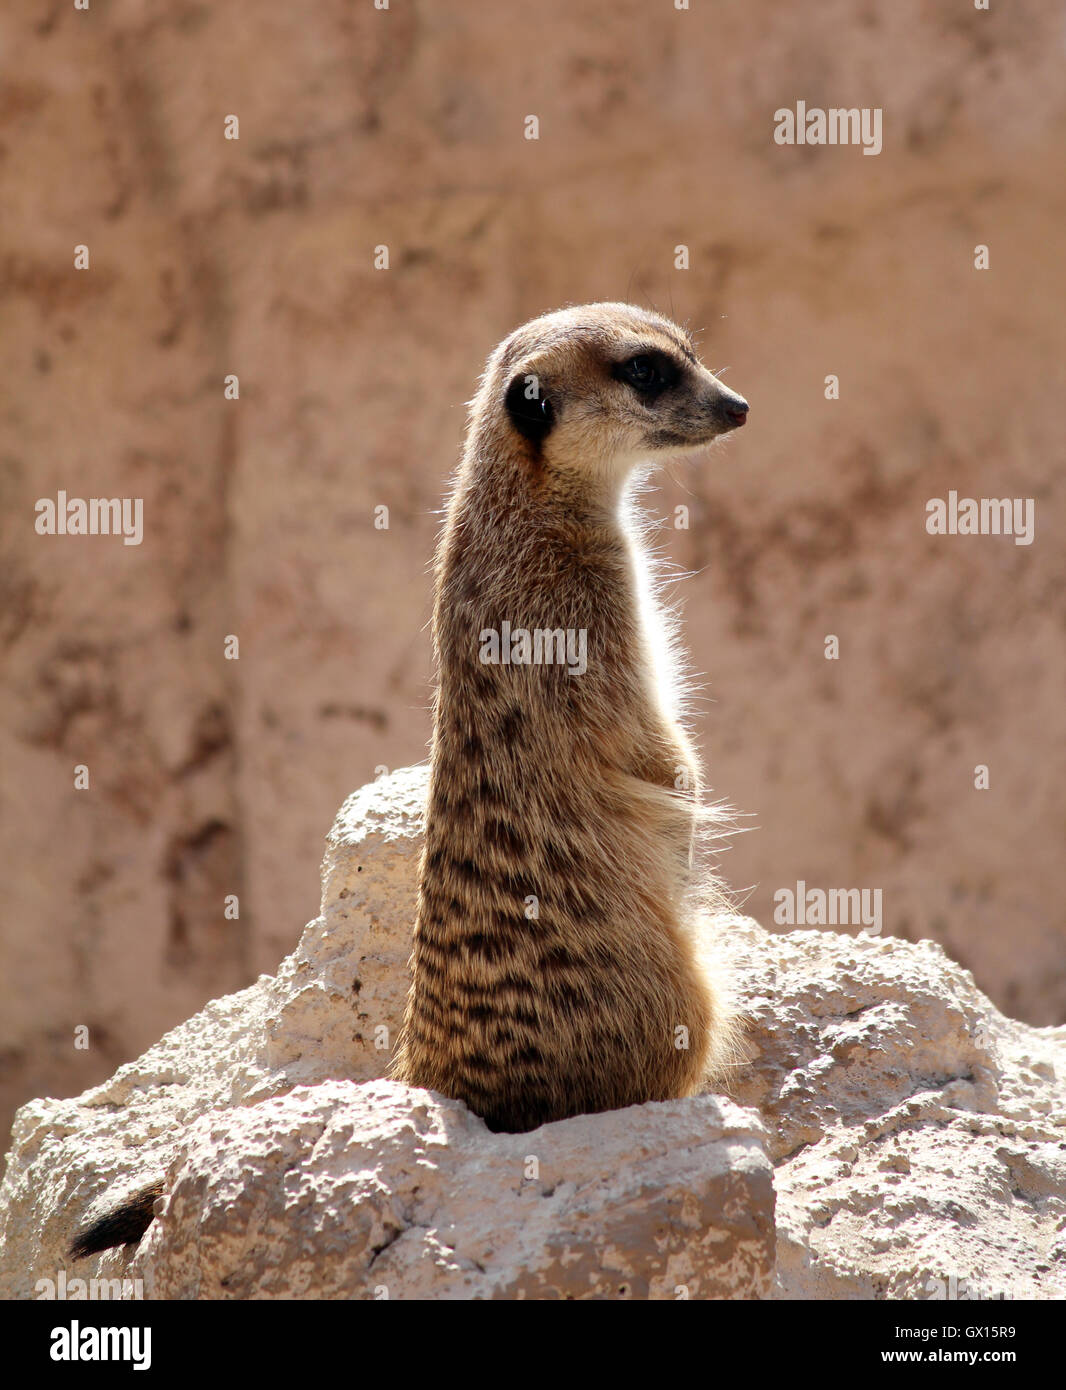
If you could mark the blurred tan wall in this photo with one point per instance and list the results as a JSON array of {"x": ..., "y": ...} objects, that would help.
[{"x": 404, "y": 127}]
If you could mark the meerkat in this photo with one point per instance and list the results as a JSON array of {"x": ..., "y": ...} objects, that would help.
[{"x": 554, "y": 966}]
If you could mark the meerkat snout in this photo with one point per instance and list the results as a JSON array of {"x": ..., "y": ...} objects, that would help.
[
  {"x": 734, "y": 408},
  {"x": 725, "y": 410}
]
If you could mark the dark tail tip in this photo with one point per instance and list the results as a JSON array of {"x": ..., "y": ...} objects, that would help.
[{"x": 123, "y": 1226}]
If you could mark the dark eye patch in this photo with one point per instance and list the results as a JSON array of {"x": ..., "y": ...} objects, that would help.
[
  {"x": 648, "y": 373},
  {"x": 532, "y": 416}
]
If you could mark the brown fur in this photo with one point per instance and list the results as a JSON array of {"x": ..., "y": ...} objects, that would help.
[
  {"x": 123, "y": 1225},
  {"x": 578, "y": 791}
]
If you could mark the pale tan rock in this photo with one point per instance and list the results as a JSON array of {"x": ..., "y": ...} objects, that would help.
[
  {"x": 375, "y": 1190},
  {"x": 641, "y": 1200},
  {"x": 918, "y": 1136}
]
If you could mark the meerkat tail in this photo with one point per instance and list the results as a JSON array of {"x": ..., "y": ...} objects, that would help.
[{"x": 124, "y": 1225}]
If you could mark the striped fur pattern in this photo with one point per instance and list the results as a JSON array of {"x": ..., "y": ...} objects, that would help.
[{"x": 554, "y": 967}]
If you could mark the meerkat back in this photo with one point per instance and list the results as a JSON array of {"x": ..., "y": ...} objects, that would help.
[{"x": 554, "y": 971}]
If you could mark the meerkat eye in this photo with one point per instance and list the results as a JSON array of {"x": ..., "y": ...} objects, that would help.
[
  {"x": 641, "y": 371},
  {"x": 648, "y": 373}
]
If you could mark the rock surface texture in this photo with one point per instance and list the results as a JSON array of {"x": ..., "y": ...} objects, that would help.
[{"x": 917, "y": 1138}]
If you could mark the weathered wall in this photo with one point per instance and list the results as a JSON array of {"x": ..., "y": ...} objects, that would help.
[{"x": 405, "y": 127}]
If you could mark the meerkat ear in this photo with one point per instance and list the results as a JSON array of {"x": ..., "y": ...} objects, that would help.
[{"x": 531, "y": 412}]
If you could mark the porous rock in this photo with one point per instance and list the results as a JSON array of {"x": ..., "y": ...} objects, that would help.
[
  {"x": 917, "y": 1136},
  {"x": 291, "y": 1172}
]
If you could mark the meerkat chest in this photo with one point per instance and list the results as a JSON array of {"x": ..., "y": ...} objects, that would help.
[{"x": 544, "y": 614}]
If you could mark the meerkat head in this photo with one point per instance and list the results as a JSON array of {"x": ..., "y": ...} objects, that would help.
[{"x": 601, "y": 389}]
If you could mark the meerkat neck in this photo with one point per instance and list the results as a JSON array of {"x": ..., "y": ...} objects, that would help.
[{"x": 596, "y": 495}]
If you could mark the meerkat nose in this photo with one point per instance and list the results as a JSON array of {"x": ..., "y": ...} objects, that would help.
[{"x": 737, "y": 411}]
